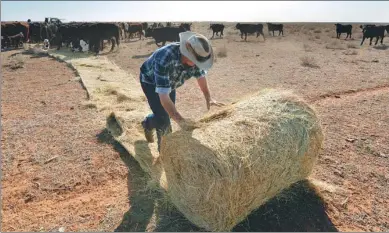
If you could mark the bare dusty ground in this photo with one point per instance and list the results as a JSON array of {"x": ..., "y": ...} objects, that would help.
[
  {"x": 56, "y": 172},
  {"x": 347, "y": 83},
  {"x": 62, "y": 169}
]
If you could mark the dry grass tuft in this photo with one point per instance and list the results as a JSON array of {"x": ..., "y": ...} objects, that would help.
[
  {"x": 335, "y": 45},
  {"x": 317, "y": 31},
  {"x": 317, "y": 37},
  {"x": 222, "y": 52},
  {"x": 122, "y": 97},
  {"x": 307, "y": 48},
  {"x": 311, "y": 38},
  {"x": 88, "y": 105},
  {"x": 351, "y": 52},
  {"x": 352, "y": 46},
  {"x": 308, "y": 61},
  {"x": 108, "y": 90},
  {"x": 17, "y": 62}
]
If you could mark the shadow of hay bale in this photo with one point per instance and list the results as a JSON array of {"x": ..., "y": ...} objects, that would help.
[{"x": 298, "y": 208}]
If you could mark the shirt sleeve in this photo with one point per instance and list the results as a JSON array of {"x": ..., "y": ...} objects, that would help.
[
  {"x": 200, "y": 73},
  {"x": 161, "y": 75}
]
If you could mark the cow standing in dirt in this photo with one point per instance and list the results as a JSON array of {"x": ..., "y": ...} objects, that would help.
[
  {"x": 164, "y": 34},
  {"x": 343, "y": 29},
  {"x": 271, "y": 27},
  {"x": 216, "y": 28},
  {"x": 134, "y": 28},
  {"x": 373, "y": 32},
  {"x": 250, "y": 28}
]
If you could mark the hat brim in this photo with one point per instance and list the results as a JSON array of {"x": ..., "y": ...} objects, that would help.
[{"x": 184, "y": 36}]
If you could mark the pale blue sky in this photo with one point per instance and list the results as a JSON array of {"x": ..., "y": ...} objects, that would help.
[{"x": 251, "y": 11}]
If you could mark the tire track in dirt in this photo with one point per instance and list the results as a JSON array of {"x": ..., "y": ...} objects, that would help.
[{"x": 338, "y": 95}]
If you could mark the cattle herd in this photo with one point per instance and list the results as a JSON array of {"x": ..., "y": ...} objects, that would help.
[{"x": 84, "y": 36}]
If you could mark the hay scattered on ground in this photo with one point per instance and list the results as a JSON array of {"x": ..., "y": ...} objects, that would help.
[{"x": 218, "y": 174}]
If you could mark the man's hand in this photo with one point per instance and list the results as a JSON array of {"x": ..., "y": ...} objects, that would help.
[
  {"x": 211, "y": 102},
  {"x": 204, "y": 88}
]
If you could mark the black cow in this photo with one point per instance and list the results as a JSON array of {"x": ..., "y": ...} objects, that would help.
[
  {"x": 343, "y": 29},
  {"x": 186, "y": 26},
  {"x": 250, "y": 28},
  {"x": 145, "y": 25},
  {"x": 387, "y": 28},
  {"x": 373, "y": 31},
  {"x": 4, "y": 42},
  {"x": 216, "y": 28},
  {"x": 367, "y": 25},
  {"x": 165, "y": 34},
  {"x": 71, "y": 33},
  {"x": 102, "y": 31},
  {"x": 35, "y": 32},
  {"x": 92, "y": 33},
  {"x": 46, "y": 32},
  {"x": 65, "y": 34},
  {"x": 135, "y": 28},
  {"x": 122, "y": 28},
  {"x": 155, "y": 25},
  {"x": 275, "y": 27}
]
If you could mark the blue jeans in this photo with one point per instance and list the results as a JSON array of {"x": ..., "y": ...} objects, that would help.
[{"x": 159, "y": 119}]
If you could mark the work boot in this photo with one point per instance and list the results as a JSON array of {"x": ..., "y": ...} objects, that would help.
[{"x": 148, "y": 133}]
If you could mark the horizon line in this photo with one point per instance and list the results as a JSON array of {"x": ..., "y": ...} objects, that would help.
[{"x": 205, "y": 21}]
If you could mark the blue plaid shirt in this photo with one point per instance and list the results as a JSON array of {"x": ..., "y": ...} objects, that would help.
[{"x": 165, "y": 70}]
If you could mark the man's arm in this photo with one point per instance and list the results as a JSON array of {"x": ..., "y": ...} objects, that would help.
[
  {"x": 202, "y": 82},
  {"x": 169, "y": 107}
]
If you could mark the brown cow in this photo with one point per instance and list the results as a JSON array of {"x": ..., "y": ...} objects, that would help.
[{"x": 14, "y": 28}]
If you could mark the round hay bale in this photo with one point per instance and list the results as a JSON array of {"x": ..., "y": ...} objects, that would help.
[{"x": 241, "y": 157}]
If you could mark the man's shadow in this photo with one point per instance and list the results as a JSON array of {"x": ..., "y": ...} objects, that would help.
[{"x": 298, "y": 208}]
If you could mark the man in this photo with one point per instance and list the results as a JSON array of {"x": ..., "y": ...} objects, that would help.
[{"x": 166, "y": 70}]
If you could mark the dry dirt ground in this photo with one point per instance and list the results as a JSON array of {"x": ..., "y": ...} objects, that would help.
[
  {"x": 56, "y": 170},
  {"x": 61, "y": 169}
]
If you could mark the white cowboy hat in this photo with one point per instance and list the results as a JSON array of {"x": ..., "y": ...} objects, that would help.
[{"x": 196, "y": 48}]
